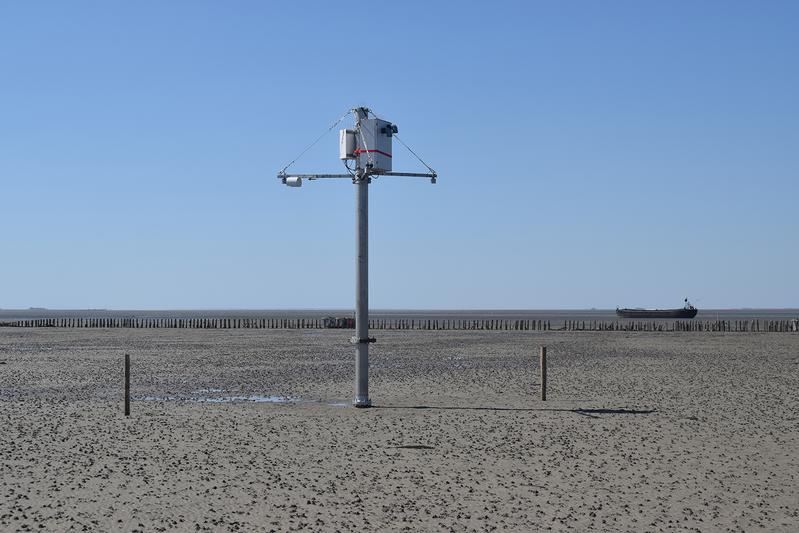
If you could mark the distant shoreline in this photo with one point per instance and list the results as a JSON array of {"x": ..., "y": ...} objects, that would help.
[
  {"x": 554, "y": 315},
  {"x": 375, "y": 310}
]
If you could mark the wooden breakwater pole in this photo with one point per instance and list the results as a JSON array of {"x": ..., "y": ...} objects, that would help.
[
  {"x": 127, "y": 384},
  {"x": 724, "y": 326},
  {"x": 543, "y": 363}
]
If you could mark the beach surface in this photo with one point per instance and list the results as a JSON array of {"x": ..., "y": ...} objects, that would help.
[{"x": 251, "y": 430}]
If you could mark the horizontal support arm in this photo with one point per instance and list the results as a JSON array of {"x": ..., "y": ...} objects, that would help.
[
  {"x": 313, "y": 176},
  {"x": 431, "y": 175},
  {"x": 407, "y": 174}
]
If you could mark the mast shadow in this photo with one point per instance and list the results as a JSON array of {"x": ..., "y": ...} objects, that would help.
[{"x": 589, "y": 412}]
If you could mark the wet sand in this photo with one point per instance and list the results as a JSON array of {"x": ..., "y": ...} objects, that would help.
[{"x": 642, "y": 432}]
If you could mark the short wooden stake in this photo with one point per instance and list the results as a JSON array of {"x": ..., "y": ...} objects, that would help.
[
  {"x": 127, "y": 384},
  {"x": 543, "y": 373}
]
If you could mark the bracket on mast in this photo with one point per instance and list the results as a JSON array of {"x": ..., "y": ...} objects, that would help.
[{"x": 367, "y": 340}]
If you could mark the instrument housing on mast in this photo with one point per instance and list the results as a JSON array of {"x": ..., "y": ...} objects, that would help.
[
  {"x": 347, "y": 144},
  {"x": 374, "y": 144}
]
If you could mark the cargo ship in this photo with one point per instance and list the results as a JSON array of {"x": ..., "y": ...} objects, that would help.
[{"x": 688, "y": 311}]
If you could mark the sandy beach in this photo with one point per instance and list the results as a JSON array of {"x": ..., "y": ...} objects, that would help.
[{"x": 642, "y": 432}]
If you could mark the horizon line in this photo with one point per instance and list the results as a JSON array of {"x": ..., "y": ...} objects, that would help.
[{"x": 377, "y": 309}]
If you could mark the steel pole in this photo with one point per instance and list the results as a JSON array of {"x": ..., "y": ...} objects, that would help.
[
  {"x": 362, "y": 296},
  {"x": 362, "y": 284}
]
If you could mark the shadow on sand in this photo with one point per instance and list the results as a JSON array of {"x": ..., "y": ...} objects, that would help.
[{"x": 589, "y": 412}]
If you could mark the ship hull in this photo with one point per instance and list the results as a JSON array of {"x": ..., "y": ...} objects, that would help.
[{"x": 657, "y": 313}]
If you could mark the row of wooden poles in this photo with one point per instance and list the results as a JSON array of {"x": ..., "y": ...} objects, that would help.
[{"x": 791, "y": 325}]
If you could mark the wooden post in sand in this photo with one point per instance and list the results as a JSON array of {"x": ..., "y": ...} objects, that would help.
[
  {"x": 543, "y": 373},
  {"x": 127, "y": 384}
]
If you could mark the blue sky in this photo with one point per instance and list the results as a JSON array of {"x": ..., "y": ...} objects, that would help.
[{"x": 591, "y": 154}]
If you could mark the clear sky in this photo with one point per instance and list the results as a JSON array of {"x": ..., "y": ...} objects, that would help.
[{"x": 591, "y": 154}]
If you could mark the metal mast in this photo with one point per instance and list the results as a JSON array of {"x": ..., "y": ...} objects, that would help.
[
  {"x": 361, "y": 177},
  {"x": 361, "y": 338}
]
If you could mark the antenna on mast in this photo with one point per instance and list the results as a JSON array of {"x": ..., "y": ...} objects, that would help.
[{"x": 368, "y": 144}]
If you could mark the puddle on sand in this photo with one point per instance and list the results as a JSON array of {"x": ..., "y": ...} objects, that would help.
[
  {"x": 222, "y": 399},
  {"x": 255, "y": 398}
]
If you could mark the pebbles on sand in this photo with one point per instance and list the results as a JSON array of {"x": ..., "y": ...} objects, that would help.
[{"x": 643, "y": 432}]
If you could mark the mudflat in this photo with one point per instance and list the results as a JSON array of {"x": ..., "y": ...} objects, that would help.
[{"x": 251, "y": 430}]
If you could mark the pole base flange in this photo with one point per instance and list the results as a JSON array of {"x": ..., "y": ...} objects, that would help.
[{"x": 362, "y": 402}]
